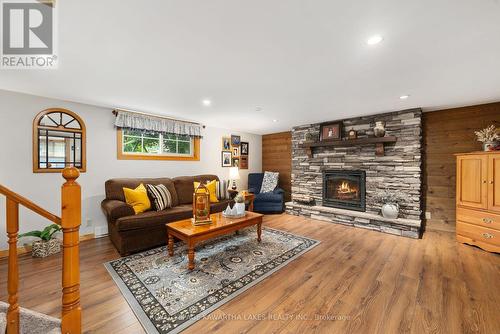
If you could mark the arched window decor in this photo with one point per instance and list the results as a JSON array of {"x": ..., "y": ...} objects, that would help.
[{"x": 58, "y": 141}]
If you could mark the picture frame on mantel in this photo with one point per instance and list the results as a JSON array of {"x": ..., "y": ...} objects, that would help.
[{"x": 330, "y": 131}]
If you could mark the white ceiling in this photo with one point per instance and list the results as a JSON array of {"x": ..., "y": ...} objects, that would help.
[{"x": 301, "y": 61}]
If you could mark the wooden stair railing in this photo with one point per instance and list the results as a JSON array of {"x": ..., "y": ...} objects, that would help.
[{"x": 70, "y": 222}]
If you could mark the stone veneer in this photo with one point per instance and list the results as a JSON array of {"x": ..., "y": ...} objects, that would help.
[{"x": 399, "y": 171}]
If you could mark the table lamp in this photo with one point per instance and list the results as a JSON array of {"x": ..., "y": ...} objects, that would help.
[{"x": 234, "y": 174}]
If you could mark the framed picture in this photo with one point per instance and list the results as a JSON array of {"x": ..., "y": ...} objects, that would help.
[
  {"x": 226, "y": 143},
  {"x": 226, "y": 159},
  {"x": 236, "y": 162},
  {"x": 236, "y": 152},
  {"x": 244, "y": 148},
  {"x": 235, "y": 140},
  {"x": 330, "y": 131},
  {"x": 244, "y": 162}
]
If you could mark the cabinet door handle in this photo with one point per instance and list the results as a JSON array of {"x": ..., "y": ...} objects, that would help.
[
  {"x": 484, "y": 181},
  {"x": 488, "y": 235},
  {"x": 491, "y": 182}
]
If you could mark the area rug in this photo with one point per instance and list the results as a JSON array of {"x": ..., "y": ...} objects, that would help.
[{"x": 166, "y": 297}]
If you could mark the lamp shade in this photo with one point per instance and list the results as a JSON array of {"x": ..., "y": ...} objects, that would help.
[{"x": 234, "y": 173}]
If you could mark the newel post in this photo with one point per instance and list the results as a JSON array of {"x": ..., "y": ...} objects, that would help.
[
  {"x": 13, "y": 271},
  {"x": 71, "y": 319}
]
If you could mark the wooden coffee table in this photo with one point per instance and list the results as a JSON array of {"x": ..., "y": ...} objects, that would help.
[{"x": 191, "y": 235}]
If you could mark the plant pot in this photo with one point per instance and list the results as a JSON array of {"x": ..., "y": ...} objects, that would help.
[
  {"x": 240, "y": 208},
  {"x": 42, "y": 248},
  {"x": 489, "y": 145},
  {"x": 390, "y": 211}
]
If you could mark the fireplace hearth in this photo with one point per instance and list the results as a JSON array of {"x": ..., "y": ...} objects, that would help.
[{"x": 344, "y": 189}]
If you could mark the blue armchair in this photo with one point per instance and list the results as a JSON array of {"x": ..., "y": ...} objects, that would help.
[{"x": 271, "y": 202}]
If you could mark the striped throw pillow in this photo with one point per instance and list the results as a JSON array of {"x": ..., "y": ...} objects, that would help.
[
  {"x": 221, "y": 190},
  {"x": 160, "y": 196}
]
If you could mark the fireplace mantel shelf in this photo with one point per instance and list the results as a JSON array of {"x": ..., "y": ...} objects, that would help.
[{"x": 378, "y": 141}]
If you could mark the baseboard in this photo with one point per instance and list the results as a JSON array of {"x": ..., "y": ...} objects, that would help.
[
  {"x": 100, "y": 231},
  {"x": 27, "y": 248}
]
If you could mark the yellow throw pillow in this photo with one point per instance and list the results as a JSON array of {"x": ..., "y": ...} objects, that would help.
[
  {"x": 211, "y": 186},
  {"x": 137, "y": 198}
]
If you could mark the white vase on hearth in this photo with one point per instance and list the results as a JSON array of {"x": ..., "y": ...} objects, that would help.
[{"x": 390, "y": 210}]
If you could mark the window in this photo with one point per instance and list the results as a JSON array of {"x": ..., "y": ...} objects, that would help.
[
  {"x": 144, "y": 145},
  {"x": 58, "y": 141}
]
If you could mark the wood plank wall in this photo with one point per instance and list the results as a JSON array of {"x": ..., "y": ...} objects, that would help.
[
  {"x": 277, "y": 157},
  {"x": 446, "y": 132}
]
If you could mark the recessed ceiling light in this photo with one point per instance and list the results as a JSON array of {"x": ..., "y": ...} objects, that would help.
[
  {"x": 207, "y": 103},
  {"x": 404, "y": 97},
  {"x": 375, "y": 39},
  {"x": 275, "y": 120}
]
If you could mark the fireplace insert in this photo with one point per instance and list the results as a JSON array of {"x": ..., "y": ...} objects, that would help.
[{"x": 344, "y": 189}]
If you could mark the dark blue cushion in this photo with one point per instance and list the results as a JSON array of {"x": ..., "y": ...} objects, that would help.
[
  {"x": 268, "y": 207},
  {"x": 255, "y": 182},
  {"x": 278, "y": 191},
  {"x": 269, "y": 197}
]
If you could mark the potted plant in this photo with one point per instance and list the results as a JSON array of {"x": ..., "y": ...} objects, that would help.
[
  {"x": 48, "y": 244},
  {"x": 239, "y": 204},
  {"x": 488, "y": 136},
  {"x": 390, "y": 203}
]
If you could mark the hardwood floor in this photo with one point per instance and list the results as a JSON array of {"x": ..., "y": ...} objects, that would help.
[{"x": 355, "y": 281}]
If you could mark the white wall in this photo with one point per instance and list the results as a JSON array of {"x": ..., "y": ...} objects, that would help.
[{"x": 16, "y": 118}]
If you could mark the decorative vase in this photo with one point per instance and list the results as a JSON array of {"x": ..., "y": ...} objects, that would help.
[
  {"x": 390, "y": 210},
  {"x": 379, "y": 129},
  {"x": 240, "y": 208},
  {"x": 42, "y": 248},
  {"x": 489, "y": 145}
]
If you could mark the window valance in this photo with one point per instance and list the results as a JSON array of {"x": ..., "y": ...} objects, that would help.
[{"x": 140, "y": 121}]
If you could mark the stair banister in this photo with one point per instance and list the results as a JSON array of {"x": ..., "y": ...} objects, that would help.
[{"x": 70, "y": 222}]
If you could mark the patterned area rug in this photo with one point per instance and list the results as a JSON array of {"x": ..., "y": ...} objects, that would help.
[{"x": 167, "y": 298}]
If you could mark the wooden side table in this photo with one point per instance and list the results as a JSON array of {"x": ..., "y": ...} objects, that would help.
[{"x": 249, "y": 197}]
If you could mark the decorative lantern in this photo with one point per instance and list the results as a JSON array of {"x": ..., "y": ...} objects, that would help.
[{"x": 201, "y": 205}]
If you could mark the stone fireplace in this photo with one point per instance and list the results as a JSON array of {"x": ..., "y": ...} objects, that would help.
[
  {"x": 344, "y": 189},
  {"x": 338, "y": 183}
]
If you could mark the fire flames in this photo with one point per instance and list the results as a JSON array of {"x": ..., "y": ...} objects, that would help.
[{"x": 345, "y": 188}]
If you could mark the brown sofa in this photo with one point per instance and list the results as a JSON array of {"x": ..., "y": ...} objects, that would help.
[{"x": 132, "y": 233}]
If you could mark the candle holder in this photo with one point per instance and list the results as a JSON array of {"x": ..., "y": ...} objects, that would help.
[{"x": 201, "y": 206}]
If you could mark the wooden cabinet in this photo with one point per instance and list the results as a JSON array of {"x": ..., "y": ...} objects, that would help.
[
  {"x": 478, "y": 199},
  {"x": 472, "y": 187},
  {"x": 494, "y": 183}
]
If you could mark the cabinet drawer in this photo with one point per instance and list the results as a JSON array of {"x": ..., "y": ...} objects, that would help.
[
  {"x": 480, "y": 218},
  {"x": 478, "y": 233}
]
